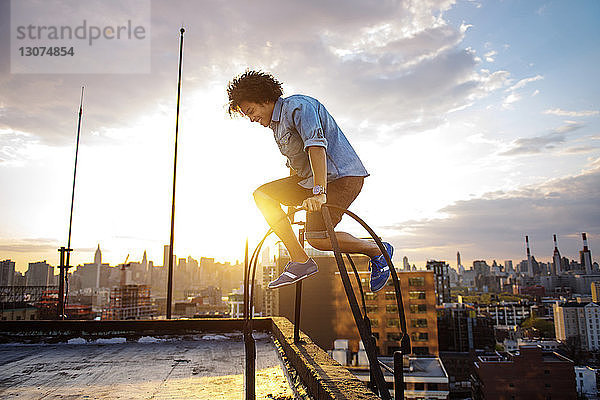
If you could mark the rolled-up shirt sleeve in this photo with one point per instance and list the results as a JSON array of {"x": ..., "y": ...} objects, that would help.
[{"x": 308, "y": 124}]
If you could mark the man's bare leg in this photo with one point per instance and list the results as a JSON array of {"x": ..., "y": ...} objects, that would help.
[
  {"x": 347, "y": 244},
  {"x": 281, "y": 226}
]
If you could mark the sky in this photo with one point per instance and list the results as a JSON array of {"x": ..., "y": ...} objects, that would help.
[{"x": 479, "y": 123}]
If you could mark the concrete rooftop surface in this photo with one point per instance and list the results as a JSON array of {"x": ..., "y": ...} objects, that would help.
[{"x": 209, "y": 366}]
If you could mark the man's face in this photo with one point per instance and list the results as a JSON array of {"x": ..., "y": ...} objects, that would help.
[{"x": 260, "y": 113}]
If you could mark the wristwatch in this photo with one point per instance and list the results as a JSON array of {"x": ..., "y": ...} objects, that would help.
[{"x": 318, "y": 189}]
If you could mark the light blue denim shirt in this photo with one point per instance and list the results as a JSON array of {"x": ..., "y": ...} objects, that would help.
[{"x": 299, "y": 122}]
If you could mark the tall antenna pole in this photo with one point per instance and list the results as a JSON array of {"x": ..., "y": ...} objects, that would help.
[
  {"x": 64, "y": 268},
  {"x": 170, "y": 278}
]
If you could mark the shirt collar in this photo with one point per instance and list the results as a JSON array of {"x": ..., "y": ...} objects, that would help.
[{"x": 277, "y": 110}]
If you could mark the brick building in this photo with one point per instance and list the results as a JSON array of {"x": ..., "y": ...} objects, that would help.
[
  {"x": 530, "y": 374},
  {"x": 461, "y": 329},
  {"x": 326, "y": 315}
]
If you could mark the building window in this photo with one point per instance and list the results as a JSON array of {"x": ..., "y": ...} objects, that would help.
[
  {"x": 546, "y": 385},
  {"x": 547, "y": 371},
  {"x": 391, "y": 309},
  {"x": 420, "y": 336},
  {"x": 371, "y": 309},
  {"x": 394, "y": 337},
  {"x": 374, "y": 322},
  {"x": 417, "y": 295},
  {"x": 432, "y": 386},
  {"x": 390, "y": 295},
  {"x": 393, "y": 322},
  {"x": 419, "y": 386},
  {"x": 511, "y": 384},
  {"x": 417, "y": 281},
  {"x": 370, "y": 296},
  {"x": 421, "y": 351},
  {"x": 418, "y": 323},
  {"x": 418, "y": 308}
]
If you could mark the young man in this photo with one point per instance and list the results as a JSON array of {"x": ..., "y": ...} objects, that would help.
[{"x": 327, "y": 171}]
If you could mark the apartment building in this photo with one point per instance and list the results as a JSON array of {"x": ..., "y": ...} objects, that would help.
[
  {"x": 506, "y": 314},
  {"x": 579, "y": 321},
  {"x": 326, "y": 315}
]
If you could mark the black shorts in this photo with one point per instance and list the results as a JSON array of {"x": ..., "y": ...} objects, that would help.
[{"x": 340, "y": 192}]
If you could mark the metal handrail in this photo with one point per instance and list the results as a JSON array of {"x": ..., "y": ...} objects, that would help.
[{"x": 362, "y": 321}]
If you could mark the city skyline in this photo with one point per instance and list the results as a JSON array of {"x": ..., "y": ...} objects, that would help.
[
  {"x": 22, "y": 265},
  {"x": 478, "y": 121}
]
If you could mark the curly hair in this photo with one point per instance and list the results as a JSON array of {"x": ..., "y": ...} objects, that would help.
[{"x": 254, "y": 86}]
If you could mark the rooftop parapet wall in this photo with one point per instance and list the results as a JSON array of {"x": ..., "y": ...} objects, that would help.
[{"x": 322, "y": 376}]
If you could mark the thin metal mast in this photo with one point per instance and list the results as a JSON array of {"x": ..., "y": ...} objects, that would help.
[
  {"x": 64, "y": 268},
  {"x": 170, "y": 276}
]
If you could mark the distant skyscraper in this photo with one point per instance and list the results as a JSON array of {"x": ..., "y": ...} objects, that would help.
[
  {"x": 508, "y": 266},
  {"x": 98, "y": 263},
  {"x": 38, "y": 274},
  {"x": 166, "y": 257},
  {"x": 145, "y": 261},
  {"x": 405, "y": 264},
  {"x": 266, "y": 257},
  {"x": 98, "y": 256},
  {"x": 556, "y": 270},
  {"x": 459, "y": 266},
  {"x": 7, "y": 272},
  {"x": 585, "y": 255}
]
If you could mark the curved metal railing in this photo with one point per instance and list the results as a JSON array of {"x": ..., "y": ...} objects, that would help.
[{"x": 361, "y": 319}]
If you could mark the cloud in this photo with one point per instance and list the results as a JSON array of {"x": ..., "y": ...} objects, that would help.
[
  {"x": 34, "y": 246},
  {"x": 564, "y": 113},
  {"x": 494, "y": 225},
  {"x": 524, "y": 82},
  {"x": 489, "y": 56},
  {"x": 580, "y": 149},
  {"x": 513, "y": 96},
  {"x": 400, "y": 63},
  {"x": 510, "y": 99},
  {"x": 15, "y": 147},
  {"x": 541, "y": 143}
]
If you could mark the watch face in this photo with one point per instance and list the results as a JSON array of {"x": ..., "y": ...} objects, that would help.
[{"x": 317, "y": 189}]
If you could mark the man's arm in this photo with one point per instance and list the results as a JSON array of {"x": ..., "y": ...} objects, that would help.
[{"x": 318, "y": 164}]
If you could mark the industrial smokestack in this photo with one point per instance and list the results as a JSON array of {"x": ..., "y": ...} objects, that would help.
[
  {"x": 585, "y": 255},
  {"x": 529, "y": 265}
]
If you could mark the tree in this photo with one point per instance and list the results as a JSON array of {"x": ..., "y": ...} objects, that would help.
[{"x": 536, "y": 327}]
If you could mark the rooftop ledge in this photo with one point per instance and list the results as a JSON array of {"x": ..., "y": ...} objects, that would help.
[{"x": 321, "y": 376}]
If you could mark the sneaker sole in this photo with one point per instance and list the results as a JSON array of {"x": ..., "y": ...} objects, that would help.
[
  {"x": 391, "y": 253},
  {"x": 382, "y": 286},
  {"x": 292, "y": 282}
]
